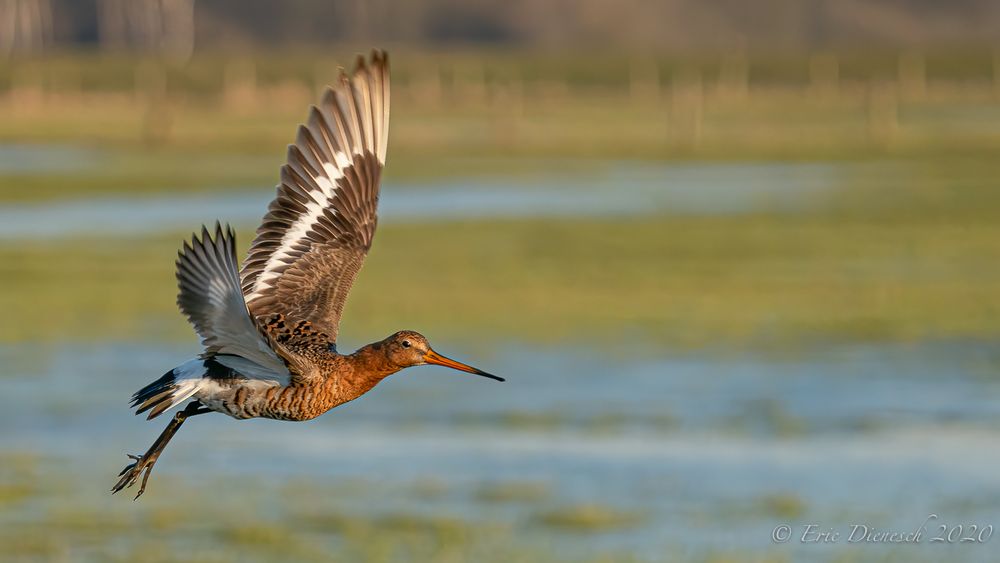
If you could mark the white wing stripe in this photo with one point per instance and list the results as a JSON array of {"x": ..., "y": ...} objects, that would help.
[
  {"x": 320, "y": 198},
  {"x": 319, "y": 201},
  {"x": 328, "y": 192}
]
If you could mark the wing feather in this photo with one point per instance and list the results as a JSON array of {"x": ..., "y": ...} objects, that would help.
[
  {"x": 209, "y": 294},
  {"x": 314, "y": 238}
]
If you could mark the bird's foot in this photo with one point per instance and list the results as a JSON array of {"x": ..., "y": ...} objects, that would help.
[{"x": 141, "y": 465}]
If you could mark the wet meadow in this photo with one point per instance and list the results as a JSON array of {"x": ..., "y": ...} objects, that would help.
[{"x": 728, "y": 292}]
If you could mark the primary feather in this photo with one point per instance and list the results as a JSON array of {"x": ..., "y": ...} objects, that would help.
[{"x": 317, "y": 231}]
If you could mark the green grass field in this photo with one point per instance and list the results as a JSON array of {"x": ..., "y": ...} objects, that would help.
[{"x": 913, "y": 260}]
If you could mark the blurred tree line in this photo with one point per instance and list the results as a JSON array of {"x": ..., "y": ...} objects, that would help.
[{"x": 177, "y": 26}]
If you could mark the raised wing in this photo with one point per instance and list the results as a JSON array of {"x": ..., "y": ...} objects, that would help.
[
  {"x": 318, "y": 229},
  {"x": 211, "y": 297}
]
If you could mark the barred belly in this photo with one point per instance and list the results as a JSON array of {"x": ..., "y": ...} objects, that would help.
[{"x": 292, "y": 403}]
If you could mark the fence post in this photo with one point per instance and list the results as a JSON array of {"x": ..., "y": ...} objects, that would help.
[
  {"x": 883, "y": 113},
  {"x": 996, "y": 73},
  {"x": 644, "y": 81},
  {"x": 734, "y": 77},
  {"x": 687, "y": 108},
  {"x": 824, "y": 75},
  {"x": 912, "y": 75},
  {"x": 239, "y": 84}
]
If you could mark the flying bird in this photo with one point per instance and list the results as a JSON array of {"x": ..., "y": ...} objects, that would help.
[{"x": 269, "y": 329}]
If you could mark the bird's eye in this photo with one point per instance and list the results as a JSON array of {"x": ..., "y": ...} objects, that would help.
[{"x": 405, "y": 343}]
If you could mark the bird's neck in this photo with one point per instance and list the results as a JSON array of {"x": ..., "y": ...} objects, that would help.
[{"x": 370, "y": 366}]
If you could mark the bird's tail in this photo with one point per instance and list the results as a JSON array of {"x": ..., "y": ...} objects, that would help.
[{"x": 172, "y": 389}]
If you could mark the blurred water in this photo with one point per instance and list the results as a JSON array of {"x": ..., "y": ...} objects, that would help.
[
  {"x": 35, "y": 159},
  {"x": 620, "y": 189},
  {"x": 697, "y": 444}
]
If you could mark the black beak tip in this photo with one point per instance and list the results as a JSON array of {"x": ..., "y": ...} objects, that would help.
[{"x": 490, "y": 375}]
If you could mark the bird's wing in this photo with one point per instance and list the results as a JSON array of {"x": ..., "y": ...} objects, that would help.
[
  {"x": 318, "y": 229},
  {"x": 211, "y": 297}
]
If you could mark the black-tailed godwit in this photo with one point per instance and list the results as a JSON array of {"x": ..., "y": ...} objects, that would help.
[{"x": 269, "y": 330}]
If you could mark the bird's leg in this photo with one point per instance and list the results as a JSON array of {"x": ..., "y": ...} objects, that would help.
[{"x": 143, "y": 465}]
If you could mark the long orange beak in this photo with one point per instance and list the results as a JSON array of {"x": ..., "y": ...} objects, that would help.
[{"x": 432, "y": 357}]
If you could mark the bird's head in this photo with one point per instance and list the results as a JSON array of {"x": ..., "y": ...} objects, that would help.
[{"x": 409, "y": 348}]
